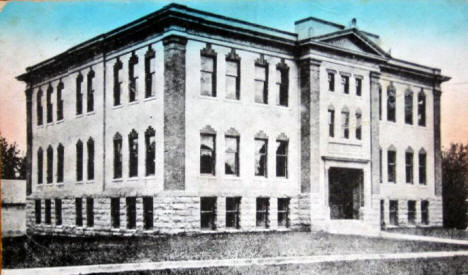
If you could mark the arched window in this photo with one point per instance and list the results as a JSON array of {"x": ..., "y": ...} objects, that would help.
[
  {"x": 391, "y": 103},
  {"x": 261, "y": 154},
  {"x": 422, "y": 167},
  {"x": 231, "y": 153},
  {"x": 79, "y": 161},
  {"x": 133, "y": 153},
  {"x": 50, "y": 164},
  {"x": 282, "y": 150},
  {"x": 149, "y": 72},
  {"x": 150, "y": 144},
  {"x": 261, "y": 80},
  {"x": 60, "y": 164},
  {"x": 59, "y": 101},
  {"x": 39, "y": 107},
  {"x": 208, "y": 71},
  {"x": 345, "y": 122},
  {"x": 207, "y": 151},
  {"x": 421, "y": 108},
  {"x": 331, "y": 121},
  {"x": 409, "y": 166},
  {"x": 232, "y": 75},
  {"x": 409, "y": 106},
  {"x": 132, "y": 78},
  {"x": 40, "y": 165},
  {"x": 117, "y": 82},
  {"x": 358, "y": 131},
  {"x": 117, "y": 156},
  {"x": 79, "y": 94},
  {"x": 90, "y": 91},
  {"x": 90, "y": 166},
  {"x": 50, "y": 113},
  {"x": 391, "y": 164},
  {"x": 282, "y": 83}
]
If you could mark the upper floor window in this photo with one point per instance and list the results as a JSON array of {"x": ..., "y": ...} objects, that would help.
[
  {"x": 391, "y": 103},
  {"x": 422, "y": 166},
  {"x": 79, "y": 161},
  {"x": 380, "y": 166},
  {"x": 50, "y": 110},
  {"x": 150, "y": 143},
  {"x": 232, "y": 75},
  {"x": 90, "y": 91},
  {"x": 282, "y": 83},
  {"x": 149, "y": 72},
  {"x": 132, "y": 78},
  {"x": 261, "y": 80},
  {"x": 261, "y": 157},
  {"x": 231, "y": 158},
  {"x": 409, "y": 107},
  {"x": 421, "y": 108},
  {"x": 117, "y": 156},
  {"x": 345, "y": 122},
  {"x": 331, "y": 121},
  {"x": 59, "y": 101},
  {"x": 358, "y": 132},
  {"x": 358, "y": 86},
  {"x": 409, "y": 165},
  {"x": 380, "y": 102},
  {"x": 331, "y": 81},
  {"x": 79, "y": 94},
  {"x": 60, "y": 164},
  {"x": 40, "y": 165},
  {"x": 133, "y": 153},
  {"x": 207, "y": 153},
  {"x": 90, "y": 145},
  {"x": 39, "y": 107},
  {"x": 117, "y": 82},
  {"x": 208, "y": 71},
  {"x": 282, "y": 157},
  {"x": 50, "y": 164},
  {"x": 391, "y": 165},
  {"x": 345, "y": 83}
]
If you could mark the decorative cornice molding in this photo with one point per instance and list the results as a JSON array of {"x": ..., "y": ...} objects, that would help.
[
  {"x": 232, "y": 55},
  {"x": 208, "y": 51}
]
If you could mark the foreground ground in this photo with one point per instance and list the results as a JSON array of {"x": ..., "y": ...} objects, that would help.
[
  {"x": 41, "y": 251},
  {"x": 434, "y": 232}
]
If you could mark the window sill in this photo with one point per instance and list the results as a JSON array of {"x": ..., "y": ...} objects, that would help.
[
  {"x": 115, "y": 107},
  {"x": 208, "y": 97},
  {"x": 343, "y": 141},
  {"x": 259, "y": 104},
  {"x": 232, "y": 177},
  {"x": 79, "y": 182},
  {"x": 150, "y": 177},
  {"x": 91, "y": 113},
  {"x": 50, "y": 124},
  {"x": 119, "y": 180},
  {"x": 136, "y": 102},
  {"x": 79, "y": 115},
  {"x": 90, "y": 182},
  {"x": 232, "y": 100},
  {"x": 207, "y": 177},
  {"x": 133, "y": 179},
  {"x": 151, "y": 98},
  {"x": 59, "y": 121}
]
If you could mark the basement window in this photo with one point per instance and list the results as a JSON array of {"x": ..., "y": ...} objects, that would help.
[
  {"x": 425, "y": 212},
  {"x": 58, "y": 212},
  {"x": 263, "y": 209},
  {"x": 283, "y": 212},
  {"x": 233, "y": 212},
  {"x": 79, "y": 211},
  {"x": 412, "y": 212},
  {"x": 131, "y": 212},
  {"x": 208, "y": 213},
  {"x": 394, "y": 212},
  {"x": 89, "y": 212},
  {"x": 148, "y": 215},
  {"x": 115, "y": 212},
  {"x": 48, "y": 217},
  {"x": 37, "y": 211}
]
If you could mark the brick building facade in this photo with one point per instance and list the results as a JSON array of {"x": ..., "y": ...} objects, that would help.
[{"x": 187, "y": 121}]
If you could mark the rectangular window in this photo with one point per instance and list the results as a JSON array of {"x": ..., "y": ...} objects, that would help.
[
  {"x": 412, "y": 212},
  {"x": 425, "y": 212},
  {"x": 261, "y": 157},
  {"x": 90, "y": 92},
  {"x": 48, "y": 215},
  {"x": 409, "y": 107},
  {"x": 282, "y": 158},
  {"x": 261, "y": 84},
  {"x": 89, "y": 212},
  {"x": 393, "y": 212},
  {"x": 380, "y": 166},
  {"x": 50, "y": 110},
  {"x": 358, "y": 126},
  {"x": 421, "y": 109},
  {"x": 132, "y": 79},
  {"x": 331, "y": 123},
  {"x": 331, "y": 82},
  {"x": 79, "y": 211},
  {"x": 380, "y": 103},
  {"x": 422, "y": 168},
  {"x": 40, "y": 166},
  {"x": 283, "y": 212},
  {"x": 345, "y": 124},
  {"x": 131, "y": 212},
  {"x": 208, "y": 213},
  {"x": 391, "y": 166},
  {"x": 50, "y": 164},
  {"x": 409, "y": 167},
  {"x": 150, "y": 143},
  {"x": 382, "y": 213},
  {"x": 60, "y": 165},
  {"x": 58, "y": 212},
  {"x": 233, "y": 212},
  {"x": 39, "y": 109},
  {"x": 79, "y": 95},
  {"x": 391, "y": 105},
  {"x": 90, "y": 159},
  {"x": 345, "y": 83},
  {"x": 117, "y": 82},
  {"x": 149, "y": 72},
  {"x": 37, "y": 211},
  {"x": 115, "y": 212},
  {"x": 207, "y": 154},
  {"x": 282, "y": 83},
  {"x": 208, "y": 76},
  {"x": 79, "y": 161},
  {"x": 358, "y": 86},
  {"x": 133, "y": 154},
  {"x": 59, "y": 101},
  {"x": 232, "y": 79},
  {"x": 263, "y": 209},
  {"x": 117, "y": 157},
  {"x": 231, "y": 157},
  {"x": 148, "y": 213}
]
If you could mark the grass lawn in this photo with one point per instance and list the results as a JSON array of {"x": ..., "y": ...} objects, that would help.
[
  {"x": 450, "y": 233},
  {"x": 41, "y": 251}
]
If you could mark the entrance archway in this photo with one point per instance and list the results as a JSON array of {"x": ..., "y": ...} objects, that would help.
[{"x": 346, "y": 193}]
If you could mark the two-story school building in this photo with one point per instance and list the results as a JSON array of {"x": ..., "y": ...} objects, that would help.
[{"x": 188, "y": 121}]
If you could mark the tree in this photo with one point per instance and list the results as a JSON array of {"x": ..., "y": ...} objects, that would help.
[
  {"x": 455, "y": 185},
  {"x": 13, "y": 163}
]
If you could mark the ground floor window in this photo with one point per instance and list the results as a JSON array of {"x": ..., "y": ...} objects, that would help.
[
  {"x": 425, "y": 212},
  {"x": 233, "y": 212},
  {"x": 131, "y": 212},
  {"x": 394, "y": 212},
  {"x": 58, "y": 211},
  {"x": 263, "y": 208},
  {"x": 283, "y": 212},
  {"x": 208, "y": 213},
  {"x": 79, "y": 211},
  {"x": 148, "y": 213},
  {"x": 37, "y": 211},
  {"x": 48, "y": 219},
  {"x": 412, "y": 212},
  {"x": 89, "y": 212},
  {"x": 115, "y": 212},
  {"x": 382, "y": 213}
]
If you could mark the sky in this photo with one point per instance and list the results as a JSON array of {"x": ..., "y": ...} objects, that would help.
[{"x": 433, "y": 33}]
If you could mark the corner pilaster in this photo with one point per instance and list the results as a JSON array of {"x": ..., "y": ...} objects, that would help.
[
  {"x": 374, "y": 131},
  {"x": 437, "y": 143},
  {"x": 29, "y": 144}
]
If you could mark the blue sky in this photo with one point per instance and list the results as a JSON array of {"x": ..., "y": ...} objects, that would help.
[{"x": 433, "y": 33}]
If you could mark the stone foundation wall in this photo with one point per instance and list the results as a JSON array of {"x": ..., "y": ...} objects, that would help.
[
  {"x": 435, "y": 212},
  {"x": 171, "y": 215}
]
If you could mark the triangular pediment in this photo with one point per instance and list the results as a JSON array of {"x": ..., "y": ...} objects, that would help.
[{"x": 352, "y": 40}]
